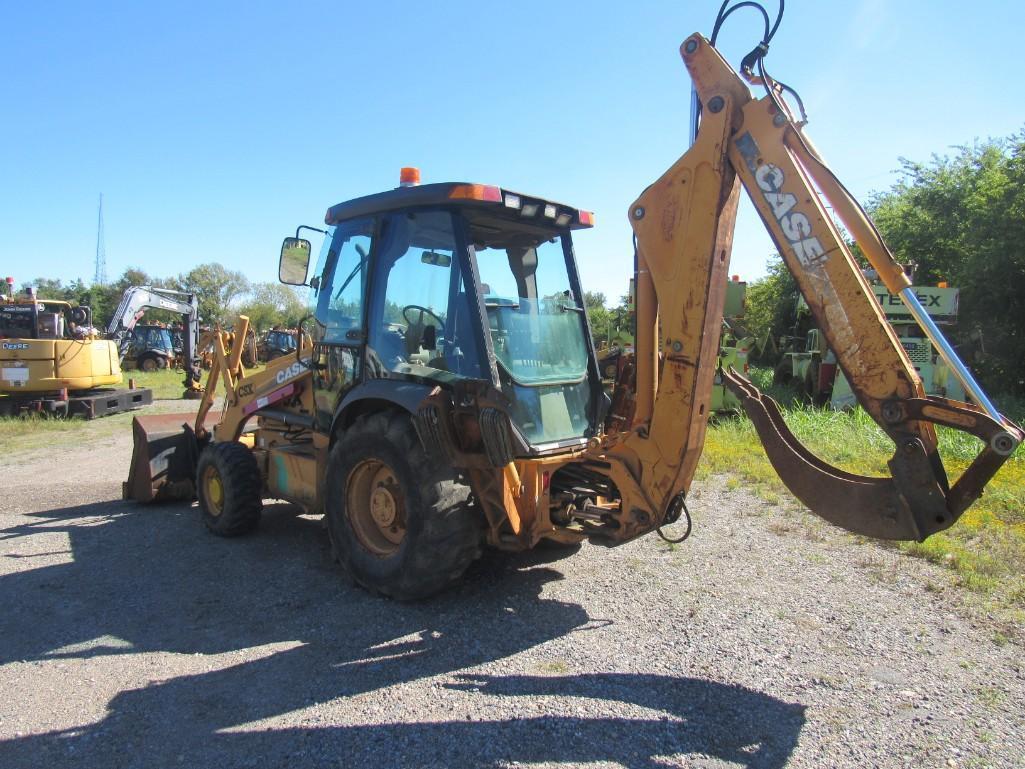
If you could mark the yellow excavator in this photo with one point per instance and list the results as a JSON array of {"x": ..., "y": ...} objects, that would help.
[
  {"x": 450, "y": 399},
  {"x": 52, "y": 361}
]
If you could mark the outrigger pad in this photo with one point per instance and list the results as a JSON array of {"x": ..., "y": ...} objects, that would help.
[{"x": 164, "y": 458}]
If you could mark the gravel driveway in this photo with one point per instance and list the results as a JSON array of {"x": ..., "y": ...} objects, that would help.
[{"x": 131, "y": 638}]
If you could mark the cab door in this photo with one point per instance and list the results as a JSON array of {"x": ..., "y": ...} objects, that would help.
[{"x": 337, "y": 303}]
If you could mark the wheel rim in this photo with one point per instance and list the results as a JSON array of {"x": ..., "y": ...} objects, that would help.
[
  {"x": 213, "y": 491},
  {"x": 376, "y": 507},
  {"x": 149, "y": 365}
]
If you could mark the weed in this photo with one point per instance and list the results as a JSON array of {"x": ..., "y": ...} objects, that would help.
[
  {"x": 635, "y": 564},
  {"x": 985, "y": 548},
  {"x": 990, "y": 696}
]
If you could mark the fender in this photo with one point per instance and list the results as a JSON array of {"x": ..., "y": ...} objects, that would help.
[{"x": 395, "y": 392}]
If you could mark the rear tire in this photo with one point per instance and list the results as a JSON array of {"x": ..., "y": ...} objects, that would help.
[
  {"x": 230, "y": 489},
  {"x": 147, "y": 363},
  {"x": 400, "y": 523},
  {"x": 249, "y": 355}
]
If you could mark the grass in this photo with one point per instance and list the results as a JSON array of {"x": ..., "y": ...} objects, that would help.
[
  {"x": 166, "y": 385},
  {"x": 985, "y": 549},
  {"x": 19, "y": 434}
]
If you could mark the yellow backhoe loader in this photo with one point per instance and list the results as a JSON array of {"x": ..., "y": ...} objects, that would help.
[{"x": 450, "y": 397}]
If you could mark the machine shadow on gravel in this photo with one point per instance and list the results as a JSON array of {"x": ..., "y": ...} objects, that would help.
[
  {"x": 151, "y": 580},
  {"x": 183, "y": 722}
]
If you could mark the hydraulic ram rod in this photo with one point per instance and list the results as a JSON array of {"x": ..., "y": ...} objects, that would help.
[{"x": 948, "y": 354}]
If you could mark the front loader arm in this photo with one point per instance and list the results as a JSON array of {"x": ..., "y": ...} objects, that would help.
[{"x": 684, "y": 227}]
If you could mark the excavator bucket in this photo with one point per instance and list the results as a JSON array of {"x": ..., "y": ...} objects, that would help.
[
  {"x": 914, "y": 503},
  {"x": 164, "y": 458}
]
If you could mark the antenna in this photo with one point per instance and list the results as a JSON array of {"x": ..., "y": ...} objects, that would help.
[{"x": 100, "y": 278}]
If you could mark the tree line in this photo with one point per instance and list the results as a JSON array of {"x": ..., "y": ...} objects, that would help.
[{"x": 223, "y": 294}]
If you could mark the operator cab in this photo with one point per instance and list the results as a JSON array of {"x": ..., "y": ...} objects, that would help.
[
  {"x": 438, "y": 283},
  {"x": 28, "y": 317}
]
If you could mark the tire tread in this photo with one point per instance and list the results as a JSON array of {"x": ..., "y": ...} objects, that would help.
[
  {"x": 243, "y": 488},
  {"x": 450, "y": 537}
]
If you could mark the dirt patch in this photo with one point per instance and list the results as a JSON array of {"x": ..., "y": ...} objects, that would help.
[{"x": 131, "y": 638}]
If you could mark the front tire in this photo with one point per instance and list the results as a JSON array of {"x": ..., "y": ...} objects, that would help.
[
  {"x": 230, "y": 489},
  {"x": 399, "y": 522}
]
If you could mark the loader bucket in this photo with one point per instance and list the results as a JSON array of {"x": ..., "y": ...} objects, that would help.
[{"x": 164, "y": 458}]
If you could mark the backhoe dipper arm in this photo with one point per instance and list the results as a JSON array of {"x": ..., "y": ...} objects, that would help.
[
  {"x": 684, "y": 226},
  {"x": 136, "y": 299}
]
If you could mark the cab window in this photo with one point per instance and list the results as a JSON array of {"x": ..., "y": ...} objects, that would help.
[
  {"x": 338, "y": 291},
  {"x": 421, "y": 314}
]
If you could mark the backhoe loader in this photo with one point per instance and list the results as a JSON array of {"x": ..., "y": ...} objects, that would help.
[
  {"x": 449, "y": 397},
  {"x": 134, "y": 303}
]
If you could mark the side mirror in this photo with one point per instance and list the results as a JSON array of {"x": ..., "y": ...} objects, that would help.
[{"x": 294, "y": 262}]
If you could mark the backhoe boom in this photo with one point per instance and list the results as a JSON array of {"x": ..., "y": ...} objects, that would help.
[{"x": 684, "y": 226}]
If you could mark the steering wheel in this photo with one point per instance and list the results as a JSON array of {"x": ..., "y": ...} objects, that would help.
[{"x": 420, "y": 318}]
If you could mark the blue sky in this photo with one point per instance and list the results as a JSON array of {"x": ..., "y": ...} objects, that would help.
[{"x": 213, "y": 129}]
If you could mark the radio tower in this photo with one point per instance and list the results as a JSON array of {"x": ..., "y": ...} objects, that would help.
[{"x": 100, "y": 278}]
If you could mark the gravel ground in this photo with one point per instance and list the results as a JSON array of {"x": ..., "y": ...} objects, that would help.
[{"x": 131, "y": 638}]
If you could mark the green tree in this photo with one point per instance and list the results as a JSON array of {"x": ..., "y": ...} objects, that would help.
[
  {"x": 218, "y": 290},
  {"x": 606, "y": 322},
  {"x": 47, "y": 288},
  {"x": 771, "y": 302},
  {"x": 273, "y": 304},
  {"x": 134, "y": 276},
  {"x": 597, "y": 315},
  {"x": 961, "y": 219}
]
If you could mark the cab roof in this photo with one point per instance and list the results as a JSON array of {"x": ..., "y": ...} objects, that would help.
[{"x": 509, "y": 204}]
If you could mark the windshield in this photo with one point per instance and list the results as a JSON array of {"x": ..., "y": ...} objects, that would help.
[
  {"x": 282, "y": 340},
  {"x": 537, "y": 324},
  {"x": 153, "y": 338},
  {"x": 538, "y": 331}
]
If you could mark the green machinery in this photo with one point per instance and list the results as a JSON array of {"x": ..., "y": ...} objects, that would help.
[
  {"x": 941, "y": 302},
  {"x": 810, "y": 366},
  {"x": 734, "y": 346}
]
